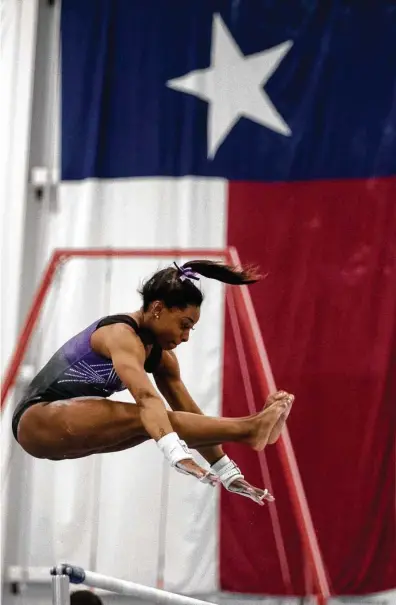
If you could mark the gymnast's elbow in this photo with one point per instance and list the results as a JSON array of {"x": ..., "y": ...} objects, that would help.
[
  {"x": 132, "y": 374},
  {"x": 146, "y": 399}
]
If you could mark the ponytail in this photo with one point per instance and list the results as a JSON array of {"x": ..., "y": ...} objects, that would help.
[
  {"x": 225, "y": 273},
  {"x": 175, "y": 286}
]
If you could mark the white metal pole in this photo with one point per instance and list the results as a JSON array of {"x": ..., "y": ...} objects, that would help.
[
  {"x": 60, "y": 590},
  {"x": 77, "y": 575}
]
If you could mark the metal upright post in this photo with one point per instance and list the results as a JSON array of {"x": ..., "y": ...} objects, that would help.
[{"x": 60, "y": 590}]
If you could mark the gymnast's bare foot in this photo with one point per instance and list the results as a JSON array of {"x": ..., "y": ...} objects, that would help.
[
  {"x": 264, "y": 423},
  {"x": 278, "y": 396}
]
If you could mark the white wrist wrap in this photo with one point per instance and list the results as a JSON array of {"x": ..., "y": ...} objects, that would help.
[
  {"x": 174, "y": 449},
  {"x": 227, "y": 471}
]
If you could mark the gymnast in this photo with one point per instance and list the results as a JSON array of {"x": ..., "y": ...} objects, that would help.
[{"x": 65, "y": 411}]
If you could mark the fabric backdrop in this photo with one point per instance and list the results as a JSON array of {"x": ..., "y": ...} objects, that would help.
[{"x": 271, "y": 126}]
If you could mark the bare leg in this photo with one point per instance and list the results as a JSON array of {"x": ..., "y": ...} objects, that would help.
[
  {"x": 81, "y": 426},
  {"x": 123, "y": 445}
]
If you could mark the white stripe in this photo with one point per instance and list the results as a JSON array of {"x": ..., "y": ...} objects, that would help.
[{"x": 126, "y": 496}]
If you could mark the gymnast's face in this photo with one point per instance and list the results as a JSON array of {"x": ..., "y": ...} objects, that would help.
[{"x": 172, "y": 326}]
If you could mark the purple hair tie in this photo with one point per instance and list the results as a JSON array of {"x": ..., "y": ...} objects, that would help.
[{"x": 186, "y": 273}]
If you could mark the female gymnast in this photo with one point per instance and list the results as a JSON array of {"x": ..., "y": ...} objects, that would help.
[{"x": 65, "y": 412}]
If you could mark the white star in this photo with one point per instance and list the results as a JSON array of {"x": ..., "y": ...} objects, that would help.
[{"x": 233, "y": 86}]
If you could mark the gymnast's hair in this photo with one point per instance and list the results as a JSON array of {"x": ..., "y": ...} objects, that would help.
[
  {"x": 85, "y": 597},
  {"x": 175, "y": 288}
]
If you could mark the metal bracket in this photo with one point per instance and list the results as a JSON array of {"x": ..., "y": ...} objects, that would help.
[{"x": 75, "y": 574}]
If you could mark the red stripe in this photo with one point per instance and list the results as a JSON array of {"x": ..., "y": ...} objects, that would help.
[{"x": 327, "y": 313}]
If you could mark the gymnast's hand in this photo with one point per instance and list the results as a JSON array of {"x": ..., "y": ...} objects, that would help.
[
  {"x": 243, "y": 488},
  {"x": 233, "y": 480},
  {"x": 190, "y": 467}
]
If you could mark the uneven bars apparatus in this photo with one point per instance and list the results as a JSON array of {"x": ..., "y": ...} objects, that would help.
[
  {"x": 267, "y": 384},
  {"x": 63, "y": 575},
  {"x": 60, "y": 256}
]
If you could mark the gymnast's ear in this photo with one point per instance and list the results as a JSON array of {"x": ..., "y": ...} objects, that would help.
[{"x": 156, "y": 307}]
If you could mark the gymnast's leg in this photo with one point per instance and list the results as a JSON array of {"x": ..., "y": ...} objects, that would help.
[{"x": 79, "y": 427}]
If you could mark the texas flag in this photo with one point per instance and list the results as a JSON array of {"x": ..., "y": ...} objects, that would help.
[{"x": 269, "y": 126}]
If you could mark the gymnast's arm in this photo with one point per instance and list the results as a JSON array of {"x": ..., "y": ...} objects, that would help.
[
  {"x": 126, "y": 350},
  {"x": 122, "y": 345},
  {"x": 168, "y": 380}
]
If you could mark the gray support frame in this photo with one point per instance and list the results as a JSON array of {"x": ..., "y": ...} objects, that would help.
[{"x": 60, "y": 590}]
